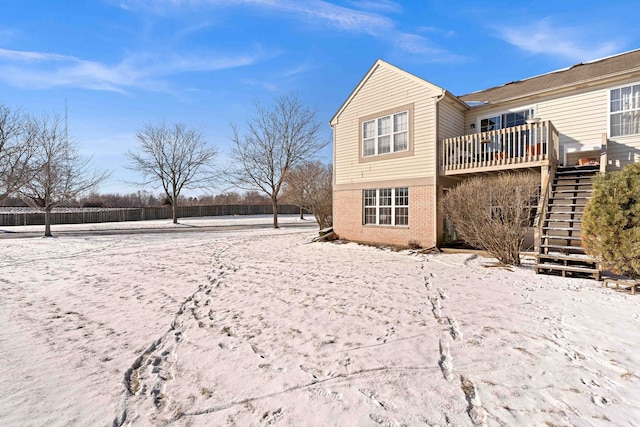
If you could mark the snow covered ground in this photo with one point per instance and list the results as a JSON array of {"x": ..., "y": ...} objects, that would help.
[{"x": 264, "y": 327}]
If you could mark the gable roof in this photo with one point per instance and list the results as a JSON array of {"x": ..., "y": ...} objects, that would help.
[
  {"x": 376, "y": 65},
  {"x": 583, "y": 73}
]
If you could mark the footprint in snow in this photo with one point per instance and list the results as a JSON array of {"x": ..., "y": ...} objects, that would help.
[
  {"x": 270, "y": 368},
  {"x": 259, "y": 352},
  {"x": 383, "y": 421},
  {"x": 315, "y": 373},
  {"x": 333, "y": 395},
  {"x": 227, "y": 347},
  {"x": 271, "y": 417}
]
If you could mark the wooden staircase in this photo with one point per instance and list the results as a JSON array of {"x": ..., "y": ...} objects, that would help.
[{"x": 561, "y": 250}]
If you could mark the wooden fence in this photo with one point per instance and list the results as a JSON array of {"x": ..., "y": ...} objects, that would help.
[{"x": 84, "y": 216}]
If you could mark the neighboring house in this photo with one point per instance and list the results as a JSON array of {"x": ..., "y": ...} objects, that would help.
[{"x": 400, "y": 142}]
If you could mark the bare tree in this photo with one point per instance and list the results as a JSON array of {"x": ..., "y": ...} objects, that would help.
[
  {"x": 276, "y": 140},
  {"x": 175, "y": 157},
  {"x": 310, "y": 186},
  {"x": 16, "y": 149},
  {"x": 494, "y": 213},
  {"x": 60, "y": 172}
]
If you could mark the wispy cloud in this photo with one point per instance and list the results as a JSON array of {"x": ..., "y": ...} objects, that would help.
[
  {"x": 378, "y": 5},
  {"x": 365, "y": 17},
  {"x": 45, "y": 70},
  {"x": 7, "y": 34},
  {"x": 338, "y": 16},
  {"x": 296, "y": 70},
  {"x": 416, "y": 44},
  {"x": 25, "y": 56},
  {"x": 544, "y": 37},
  {"x": 435, "y": 30},
  {"x": 195, "y": 28},
  {"x": 271, "y": 87}
]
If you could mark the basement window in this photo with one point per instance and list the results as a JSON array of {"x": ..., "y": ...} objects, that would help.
[{"x": 386, "y": 206}]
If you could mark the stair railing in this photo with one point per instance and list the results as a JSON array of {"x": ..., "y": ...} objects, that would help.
[
  {"x": 543, "y": 202},
  {"x": 603, "y": 154}
]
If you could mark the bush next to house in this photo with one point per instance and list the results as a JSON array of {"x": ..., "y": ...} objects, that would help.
[
  {"x": 493, "y": 213},
  {"x": 611, "y": 221}
]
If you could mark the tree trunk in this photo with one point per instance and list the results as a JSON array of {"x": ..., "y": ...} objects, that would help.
[
  {"x": 175, "y": 214},
  {"x": 47, "y": 223},
  {"x": 301, "y": 213},
  {"x": 174, "y": 202},
  {"x": 274, "y": 205}
]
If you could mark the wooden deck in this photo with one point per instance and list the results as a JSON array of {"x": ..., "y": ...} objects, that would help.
[{"x": 527, "y": 146}]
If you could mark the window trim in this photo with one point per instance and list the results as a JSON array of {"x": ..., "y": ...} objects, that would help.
[
  {"x": 479, "y": 119},
  {"x": 610, "y": 113},
  {"x": 409, "y": 108},
  {"x": 393, "y": 206}
]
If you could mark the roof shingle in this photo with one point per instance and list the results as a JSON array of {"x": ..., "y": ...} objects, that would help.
[{"x": 579, "y": 73}]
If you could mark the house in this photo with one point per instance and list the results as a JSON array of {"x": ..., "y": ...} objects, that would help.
[{"x": 400, "y": 142}]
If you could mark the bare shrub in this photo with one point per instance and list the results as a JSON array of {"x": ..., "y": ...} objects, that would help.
[
  {"x": 414, "y": 244},
  {"x": 493, "y": 213}
]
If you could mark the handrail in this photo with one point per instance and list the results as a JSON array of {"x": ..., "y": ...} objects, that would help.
[
  {"x": 528, "y": 143},
  {"x": 541, "y": 213}
]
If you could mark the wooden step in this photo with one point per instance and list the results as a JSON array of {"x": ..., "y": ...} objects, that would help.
[
  {"x": 575, "y": 238},
  {"x": 562, "y": 247},
  {"x": 577, "y": 186},
  {"x": 567, "y": 205},
  {"x": 582, "y": 201},
  {"x": 587, "y": 179},
  {"x": 560, "y": 257},
  {"x": 565, "y": 213},
  {"x": 579, "y": 170},
  {"x": 565, "y": 177},
  {"x": 570, "y": 198},
  {"x": 561, "y": 228},
  {"x": 576, "y": 268},
  {"x": 566, "y": 181},
  {"x": 562, "y": 220},
  {"x": 574, "y": 180},
  {"x": 564, "y": 269},
  {"x": 583, "y": 190}
]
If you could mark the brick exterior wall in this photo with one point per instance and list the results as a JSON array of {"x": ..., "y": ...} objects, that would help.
[{"x": 347, "y": 219}]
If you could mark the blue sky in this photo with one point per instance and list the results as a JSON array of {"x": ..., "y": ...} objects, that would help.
[{"x": 118, "y": 64}]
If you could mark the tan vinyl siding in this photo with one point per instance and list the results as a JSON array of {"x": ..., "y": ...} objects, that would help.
[
  {"x": 622, "y": 150},
  {"x": 386, "y": 88},
  {"x": 580, "y": 119},
  {"x": 450, "y": 121}
]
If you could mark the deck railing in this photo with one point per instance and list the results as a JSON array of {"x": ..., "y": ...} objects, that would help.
[{"x": 528, "y": 145}]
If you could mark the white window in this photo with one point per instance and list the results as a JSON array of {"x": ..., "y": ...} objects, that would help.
[
  {"x": 386, "y": 206},
  {"x": 388, "y": 134},
  {"x": 624, "y": 110},
  {"x": 506, "y": 120}
]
